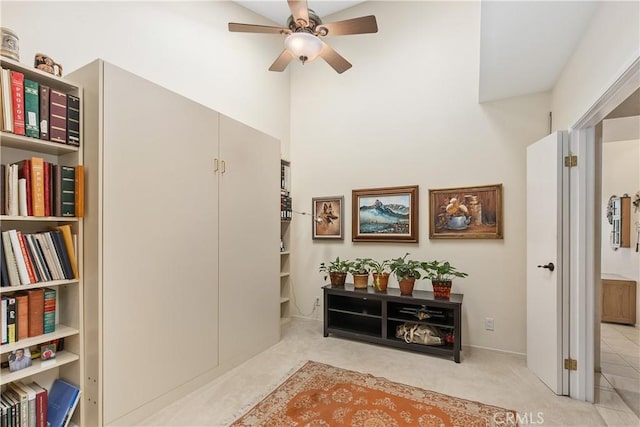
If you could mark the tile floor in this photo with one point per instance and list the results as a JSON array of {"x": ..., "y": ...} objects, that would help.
[
  {"x": 620, "y": 366},
  {"x": 487, "y": 376}
]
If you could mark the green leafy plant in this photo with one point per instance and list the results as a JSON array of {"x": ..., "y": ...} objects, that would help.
[
  {"x": 336, "y": 266},
  {"x": 404, "y": 268},
  {"x": 360, "y": 266},
  {"x": 380, "y": 267},
  {"x": 441, "y": 270}
]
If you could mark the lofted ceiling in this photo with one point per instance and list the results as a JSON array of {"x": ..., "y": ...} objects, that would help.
[{"x": 524, "y": 45}]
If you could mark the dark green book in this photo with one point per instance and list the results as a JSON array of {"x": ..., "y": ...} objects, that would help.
[
  {"x": 73, "y": 120},
  {"x": 32, "y": 108},
  {"x": 68, "y": 195}
]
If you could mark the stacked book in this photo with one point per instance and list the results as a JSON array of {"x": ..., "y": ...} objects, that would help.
[
  {"x": 38, "y": 257},
  {"x": 35, "y": 187},
  {"x": 26, "y": 314},
  {"x": 35, "y": 110}
]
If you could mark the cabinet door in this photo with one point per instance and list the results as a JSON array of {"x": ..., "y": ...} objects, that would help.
[
  {"x": 249, "y": 241},
  {"x": 160, "y": 252}
]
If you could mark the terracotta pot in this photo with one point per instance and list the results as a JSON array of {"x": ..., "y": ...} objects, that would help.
[
  {"x": 406, "y": 285},
  {"x": 380, "y": 282},
  {"x": 441, "y": 288},
  {"x": 361, "y": 281},
  {"x": 337, "y": 279}
]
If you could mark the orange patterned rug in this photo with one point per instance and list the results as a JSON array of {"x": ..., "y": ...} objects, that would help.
[{"x": 323, "y": 395}]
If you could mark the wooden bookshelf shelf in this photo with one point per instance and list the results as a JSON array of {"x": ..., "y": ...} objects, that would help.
[
  {"x": 38, "y": 366},
  {"x": 60, "y": 332}
]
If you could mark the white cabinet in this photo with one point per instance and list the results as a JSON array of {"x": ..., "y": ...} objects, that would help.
[
  {"x": 177, "y": 233},
  {"x": 68, "y": 363}
]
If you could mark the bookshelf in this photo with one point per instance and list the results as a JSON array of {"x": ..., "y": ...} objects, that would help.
[
  {"x": 285, "y": 239},
  {"x": 68, "y": 363}
]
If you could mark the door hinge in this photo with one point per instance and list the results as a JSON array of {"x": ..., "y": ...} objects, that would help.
[
  {"x": 571, "y": 364},
  {"x": 570, "y": 161}
]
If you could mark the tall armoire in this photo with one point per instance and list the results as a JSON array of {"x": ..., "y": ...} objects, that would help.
[{"x": 181, "y": 233}]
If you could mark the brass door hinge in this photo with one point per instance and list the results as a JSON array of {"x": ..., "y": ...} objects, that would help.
[
  {"x": 571, "y": 364},
  {"x": 570, "y": 161}
]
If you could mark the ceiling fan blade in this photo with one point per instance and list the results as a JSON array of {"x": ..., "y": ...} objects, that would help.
[
  {"x": 334, "y": 59},
  {"x": 282, "y": 61},
  {"x": 362, "y": 25},
  {"x": 251, "y": 28},
  {"x": 300, "y": 12}
]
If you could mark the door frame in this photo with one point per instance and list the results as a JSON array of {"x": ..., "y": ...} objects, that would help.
[{"x": 585, "y": 224}]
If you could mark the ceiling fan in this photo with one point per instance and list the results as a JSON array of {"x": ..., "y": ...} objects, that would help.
[{"x": 304, "y": 36}]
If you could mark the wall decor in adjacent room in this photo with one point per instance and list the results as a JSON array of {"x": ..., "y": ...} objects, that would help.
[
  {"x": 385, "y": 214},
  {"x": 466, "y": 213},
  {"x": 328, "y": 213}
]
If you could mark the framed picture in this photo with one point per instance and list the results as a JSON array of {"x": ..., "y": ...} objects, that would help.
[
  {"x": 328, "y": 213},
  {"x": 466, "y": 213},
  {"x": 19, "y": 359},
  {"x": 385, "y": 215}
]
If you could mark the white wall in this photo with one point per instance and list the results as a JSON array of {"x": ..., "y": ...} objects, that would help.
[
  {"x": 184, "y": 46},
  {"x": 407, "y": 113},
  {"x": 608, "y": 47}
]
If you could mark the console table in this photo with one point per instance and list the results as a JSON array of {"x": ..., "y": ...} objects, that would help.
[{"x": 366, "y": 315}]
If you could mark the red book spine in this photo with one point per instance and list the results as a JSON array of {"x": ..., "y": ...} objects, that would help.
[
  {"x": 24, "y": 171},
  {"x": 17, "y": 90},
  {"x": 27, "y": 259}
]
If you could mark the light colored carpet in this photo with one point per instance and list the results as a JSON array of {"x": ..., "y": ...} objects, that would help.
[{"x": 323, "y": 395}]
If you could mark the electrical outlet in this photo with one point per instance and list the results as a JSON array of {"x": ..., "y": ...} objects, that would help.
[
  {"x": 488, "y": 323},
  {"x": 317, "y": 303}
]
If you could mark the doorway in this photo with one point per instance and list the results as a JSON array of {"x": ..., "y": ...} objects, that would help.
[{"x": 617, "y": 376}]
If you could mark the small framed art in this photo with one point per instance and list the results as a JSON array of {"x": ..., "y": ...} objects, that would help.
[{"x": 328, "y": 215}]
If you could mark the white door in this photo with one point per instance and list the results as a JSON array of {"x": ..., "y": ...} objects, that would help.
[{"x": 547, "y": 204}]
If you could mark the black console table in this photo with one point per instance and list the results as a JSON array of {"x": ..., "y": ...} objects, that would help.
[{"x": 366, "y": 315}]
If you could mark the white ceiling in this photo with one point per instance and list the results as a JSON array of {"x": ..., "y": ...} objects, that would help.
[{"x": 524, "y": 44}]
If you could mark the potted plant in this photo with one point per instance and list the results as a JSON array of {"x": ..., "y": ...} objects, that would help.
[
  {"x": 336, "y": 270},
  {"x": 360, "y": 271},
  {"x": 406, "y": 271},
  {"x": 441, "y": 274},
  {"x": 380, "y": 272}
]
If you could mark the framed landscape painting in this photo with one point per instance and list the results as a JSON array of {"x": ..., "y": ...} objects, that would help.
[
  {"x": 466, "y": 213},
  {"x": 385, "y": 215},
  {"x": 328, "y": 213}
]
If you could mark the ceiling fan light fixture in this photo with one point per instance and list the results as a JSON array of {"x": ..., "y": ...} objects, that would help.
[{"x": 304, "y": 46}]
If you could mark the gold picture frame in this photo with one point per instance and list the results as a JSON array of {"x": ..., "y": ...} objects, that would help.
[
  {"x": 466, "y": 212},
  {"x": 328, "y": 214},
  {"x": 385, "y": 215}
]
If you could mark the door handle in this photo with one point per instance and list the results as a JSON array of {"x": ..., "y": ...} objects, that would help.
[
  {"x": 215, "y": 165},
  {"x": 224, "y": 166},
  {"x": 549, "y": 266}
]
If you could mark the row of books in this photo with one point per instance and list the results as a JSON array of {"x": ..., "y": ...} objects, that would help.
[
  {"x": 34, "y": 187},
  {"x": 285, "y": 177},
  {"x": 38, "y": 111},
  {"x": 28, "y": 258},
  {"x": 30, "y": 405},
  {"x": 28, "y": 313},
  {"x": 285, "y": 207}
]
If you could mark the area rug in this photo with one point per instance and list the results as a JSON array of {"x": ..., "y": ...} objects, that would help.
[{"x": 323, "y": 395}]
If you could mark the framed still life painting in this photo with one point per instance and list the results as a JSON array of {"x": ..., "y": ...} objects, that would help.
[
  {"x": 466, "y": 213},
  {"x": 385, "y": 215}
]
